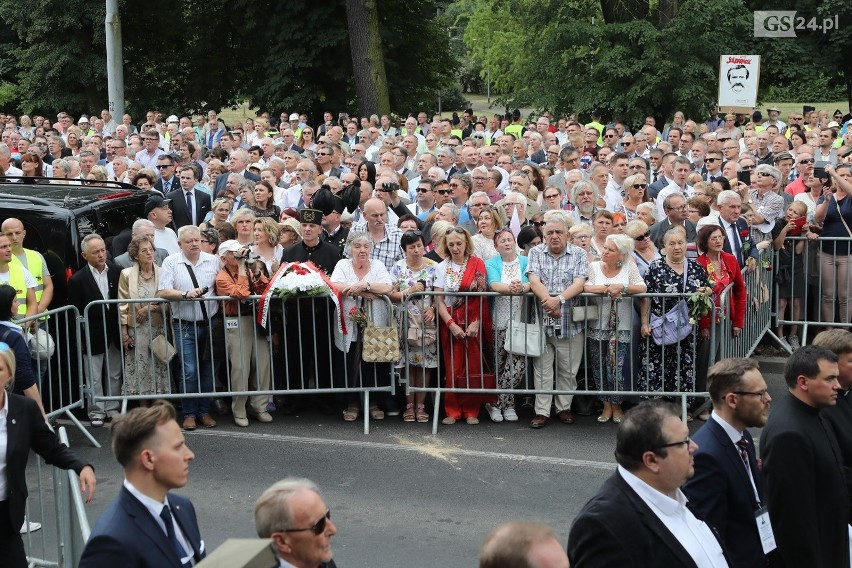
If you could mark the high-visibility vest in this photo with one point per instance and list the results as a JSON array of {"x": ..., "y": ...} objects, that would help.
[
  {"x": 514, "y": 129},
  {"x": 17, "y": 281},
  {"x": 35, "y": 264}
]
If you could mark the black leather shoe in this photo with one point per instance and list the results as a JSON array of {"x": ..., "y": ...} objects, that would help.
[{"x": 220, "y": 407}]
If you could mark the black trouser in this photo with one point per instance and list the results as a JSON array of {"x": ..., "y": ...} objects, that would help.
[{"x": 12, "y": 553}]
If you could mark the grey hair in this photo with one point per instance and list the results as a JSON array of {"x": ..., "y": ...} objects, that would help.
[
  {"x": 453, "y": 209},
  {"x": 581, "y": 184},
  {"x": 272, "y": 513},
  {"x": 63, "y": 165},
  {"x": 187, "y": 229},
  {"x": 558, "y": 216},
  {"x": 138, "y": 224},
  {"x": 355, "y": 237},
  {"x": 727, "y": 195},
  {"x": 652, "y": 209},
  {"x": 476, "y": 194},
  {"x": 623, "y": 243},
  {"x": 84, "y": 245},
  {"x": 771, "y": 170}
]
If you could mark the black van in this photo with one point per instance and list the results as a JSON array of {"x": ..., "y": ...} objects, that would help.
[{"x": 57, "y": 215}]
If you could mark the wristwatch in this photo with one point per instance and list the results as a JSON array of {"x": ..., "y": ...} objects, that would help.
[
  {"x": 562, "y": 300},
  {"x": 368, "y": 286},
  {"x": 185, "y": 294}
]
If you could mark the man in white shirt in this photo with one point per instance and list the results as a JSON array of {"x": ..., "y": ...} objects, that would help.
[
  {"x": 618, "y": 172},
  {"x": 681, "y": 168},
  {"x": 6, "y": 166},
  {"x": 642, "y": 505},
  {"x": 157, "y": 211}
]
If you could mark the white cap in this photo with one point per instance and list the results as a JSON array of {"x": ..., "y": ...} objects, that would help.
[
  {"x": 172, "y": 118},
  {"x": 294, "y": 116},
  {"x": 230, "y": 245},
  {"x": 83, "y": 119}
]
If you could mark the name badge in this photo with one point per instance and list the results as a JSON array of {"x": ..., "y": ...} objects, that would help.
[
  {"x": 764, "y": 528},
  {"x": 232, "y": 323},
  {"x": 555, "y": 323}
]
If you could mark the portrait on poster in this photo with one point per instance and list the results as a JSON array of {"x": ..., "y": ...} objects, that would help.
[{"x": 739, "y": 77}]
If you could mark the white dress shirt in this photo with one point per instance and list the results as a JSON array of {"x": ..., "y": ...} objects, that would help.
[
  {"x": 101, "y": 280},
  {"x": 175, "y": 276},
  {"x": 693, "y": 535}
]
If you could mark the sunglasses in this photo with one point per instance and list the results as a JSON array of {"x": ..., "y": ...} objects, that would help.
[
  {"x": 642, "y": 237},
  {"x": 163, "y": 166},
  {"x": 423, "y": 190},
  {"x": 640, "y": 185},
  {"x": 764, "y": 174},
  {"x": 442, "y": 191},
  {"x": 807, "y": 161},
  {"x": 318, "y": 528},
  {"x": 723, "y": 139},
  {"x": 415, "y": 233},
  {"x": 460, "y": 230},
  {"x": 538, "y": 224}
]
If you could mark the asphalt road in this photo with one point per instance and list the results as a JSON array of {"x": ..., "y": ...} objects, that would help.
[{"x": 399, "y": 496}]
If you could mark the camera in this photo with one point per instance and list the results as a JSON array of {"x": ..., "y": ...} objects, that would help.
[
  {"x": 242, "y": 254},
  {"x": 390, "y": 187},
  {"x": 819, "y": 170}
]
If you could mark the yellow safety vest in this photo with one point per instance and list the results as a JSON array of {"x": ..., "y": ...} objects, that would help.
[
  {"x": 515, "y": 130},
  {"x": 16, "y": 281},
  {"x": 35, "y": 264}
]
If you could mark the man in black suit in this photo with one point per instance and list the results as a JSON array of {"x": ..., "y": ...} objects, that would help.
[
  {"x": 23, "y": 429},
  {"x": 301, "y": 533},
  {"x": 805, "y": 482},
  {"x": 839, "y": 416},
  {"x": 237, "y": 163},
  {"x": 189, "y": 205},
  {"x": 727, "y": 488},
  {"x": 736, "y": 230},
  {"x": 166, "y": 169},
  {"x": 676, "y": 212},
  {"x": 98, "y": 281},
  {"x": 146, "y": 525},
  {"x": 639, "y": 517}
]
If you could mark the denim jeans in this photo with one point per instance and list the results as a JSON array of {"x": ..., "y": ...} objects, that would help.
[{"x": 194, "y": 368}]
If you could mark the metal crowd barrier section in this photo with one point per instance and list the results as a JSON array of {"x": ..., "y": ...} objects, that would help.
[
  {"x": 758, "y": 312},
  {"x": 60, "y": 376},
  {"x": 60, "y": 541},
  {"x": 229, "y": 356},
  {"x": 598, "y": 362},
  {"x": 812, "y": 287}
]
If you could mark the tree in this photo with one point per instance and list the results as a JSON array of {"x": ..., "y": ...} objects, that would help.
[{"x": 368, "y": 64}]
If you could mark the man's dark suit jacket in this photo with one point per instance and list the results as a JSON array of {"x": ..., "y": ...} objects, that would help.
[
  {"x": 752, "y": 249},
  {"x": 723, "y": 494},
  {"x": 83, "y": 290},
  {"x": 658, "y": 231},
  {"x": 805, "y": 487},
  {"x": 839, "y": 418},
  {"x": 223, "y": 179},
  {"x": 617, "y": 528},
  {"x": 174, "y": 184},
  {"x": 27, "y": 430},
  {"x": 127, "y": 535},
  {"x": 180, "y": 215}
]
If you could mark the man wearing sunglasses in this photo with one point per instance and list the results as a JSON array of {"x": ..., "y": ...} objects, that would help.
[
  {"x": 804, "y": 168},
  {"x": 293, "y": 514},
  {"x": 642, "y": 504}
]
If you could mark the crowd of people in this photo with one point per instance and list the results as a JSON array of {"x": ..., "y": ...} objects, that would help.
[{"x": 419, "y": 211}]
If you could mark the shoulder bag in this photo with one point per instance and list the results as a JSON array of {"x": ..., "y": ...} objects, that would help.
[
  {"x": 673, "y": 326},
  {"x": 379, "y": 344},
  {"x": 524, "y": 338}
]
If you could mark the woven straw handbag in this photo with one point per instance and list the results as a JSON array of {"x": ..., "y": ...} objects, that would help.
[{"x": 380, "y": 343}]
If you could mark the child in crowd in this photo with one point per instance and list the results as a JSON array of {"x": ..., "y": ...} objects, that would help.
[{"x": 790, "y": 268}]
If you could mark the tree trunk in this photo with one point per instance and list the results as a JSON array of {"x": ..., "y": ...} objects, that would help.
[
  {"x": 667, "y": 10},
  {"x": 622, "y": 11},
  {"x": 368, "y": 63}
]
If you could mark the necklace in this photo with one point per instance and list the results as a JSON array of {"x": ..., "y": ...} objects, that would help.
[{"x": 144, "y": 276}]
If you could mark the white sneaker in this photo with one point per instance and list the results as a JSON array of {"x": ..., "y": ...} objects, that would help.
[
  {"x": 510, "y": 415},
  {"x": 785, "y": 345},
  {"x": 494, "y": 413},
  {"x": 793, "y": 340},
  {"x": 29, "y": 527}
]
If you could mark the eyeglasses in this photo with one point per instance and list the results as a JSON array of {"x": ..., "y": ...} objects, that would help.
[
  {"x": 637, "y": 167},
  {"x": 552, "y": 196},
  {"x": 764, "y": 174},
  {"x": 640, "y": 185},
  {"x": 642, "y": 237},
  {"x": 323, "y": 154},
  {"x": 442, "y": 191},
  {"x": 712, "y": 160},
  {"x": 302, "y": 170},
  {"x": 609, "y": 135},
  {"x": 538, "y": 224},
  {"x": 413, "y": 232},
  {"x": 722, "y": 139},
  {"x": 675, "y": 444},
  {"x": 761, "y": 394},
  {"x": 318, "y": 528},
  {"x": 163, "y": 166}
]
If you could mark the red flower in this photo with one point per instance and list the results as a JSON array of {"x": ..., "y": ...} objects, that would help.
[{"x": 744, "y": 233}]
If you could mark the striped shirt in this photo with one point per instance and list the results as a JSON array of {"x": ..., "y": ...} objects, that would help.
[{"x": 174, "y": 275}]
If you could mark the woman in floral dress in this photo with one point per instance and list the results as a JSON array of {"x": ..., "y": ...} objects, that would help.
[{"x": 410, "y": 275}]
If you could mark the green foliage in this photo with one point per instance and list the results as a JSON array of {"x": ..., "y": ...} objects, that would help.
[
  {"x": 816, "y": 88},
  {"x": 8, "y": 94}
]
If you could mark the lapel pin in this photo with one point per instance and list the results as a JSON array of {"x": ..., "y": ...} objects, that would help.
[{"x": 13, "y": 421}]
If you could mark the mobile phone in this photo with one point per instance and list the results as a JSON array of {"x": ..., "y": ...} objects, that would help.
[
  {"x": 819, "y": 170},
  {"x": 744, "y": 177},
  {"x": 205, "y": 290}
]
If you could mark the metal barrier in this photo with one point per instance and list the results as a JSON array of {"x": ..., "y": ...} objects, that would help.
[
  {"x": 61, "y": 539},
  {"x": 821, "y": 281},
  {"x": 758, "y": 320},
  {"x": 295, "y": 355},
  {"x": 60, "y": 377},
  {"x": 586, "y": 361}
]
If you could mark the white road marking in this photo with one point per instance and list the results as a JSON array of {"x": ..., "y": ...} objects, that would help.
[{"x": 430, "y": 446}]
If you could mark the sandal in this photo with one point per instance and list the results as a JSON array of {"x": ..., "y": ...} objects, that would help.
[
  {"x": 376, "y": 413},
  {"x": 350, "y": 414},
  {"x": 420, "y": 414},
  {"x": 408, "y": 415}
]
